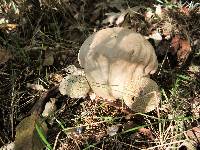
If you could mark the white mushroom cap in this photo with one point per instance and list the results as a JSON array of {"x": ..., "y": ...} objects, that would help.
[
  {"x": 142, "y": 95},
  {"x": 112, "y": 58}
]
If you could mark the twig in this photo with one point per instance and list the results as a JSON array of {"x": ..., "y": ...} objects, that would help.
[
  {"x": 39, "y": 105},
  {"x": 56, "y": 140}
]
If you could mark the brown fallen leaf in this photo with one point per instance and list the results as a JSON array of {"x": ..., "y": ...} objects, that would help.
[
  {"x": 184, "y": 51},
  {"x": 56, "y": 78},
  {"x": 36, "y": 87},
  {"x": 159, "y": 11},
  {"x": 146, "y": 132},
  {"x": 50, "y": 108},
  {"x": 8, "y": 26},
  {"x": 194, "y": 133},
  {"x": 181, "y": 48},
  {"x": 27, "y": 136},
  {"x": 175, "y": 44},
  {"x": 185, "y": 10}
]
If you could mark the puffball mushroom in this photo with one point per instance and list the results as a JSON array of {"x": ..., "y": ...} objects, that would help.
[
  {"x": 117, "y": 63},
  {"x": 142, "y": 95},
  {"x": 75, "y": 84}
]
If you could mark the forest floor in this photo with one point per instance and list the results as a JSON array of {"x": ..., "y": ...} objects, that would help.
[{"x": 39, "y": 39}]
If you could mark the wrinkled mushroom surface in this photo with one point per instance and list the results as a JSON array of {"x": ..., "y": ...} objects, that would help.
[
  {"x": 142, "y": 95},
  {"x": 113, "y": 59}
]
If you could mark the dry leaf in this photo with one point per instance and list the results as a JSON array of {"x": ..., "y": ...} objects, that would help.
[
  {"x": 181, "y": 47},
  {"x": 8, "y": 26},
  {"x": 184, "y": 51},
  {"x": 194, "y": 133},
  {"x": 56, "y": 78},
  {"x": 146, "y": 132},
  {"x": 157, "y": 37},
  {"x": 121, "y": 18},
  {"x": 36, "y": 87},
  {"x": 159, "y": 11},
  {"x": 115, "y": 18},
  {"x": 3, "y": 21},
  {"x": 194, "y": 68},
  {"x": 185, "y": 10},
  {"x": 111, "y": 18},
  {"x": 175, "y": 44},
  {"x": 92, "y": 96},
  {"x": 27, "y": 137},
  {"x": 50, "y": 107},
  {"x": 167, "y": 29},
  {"x": 149, "y": 14}
]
